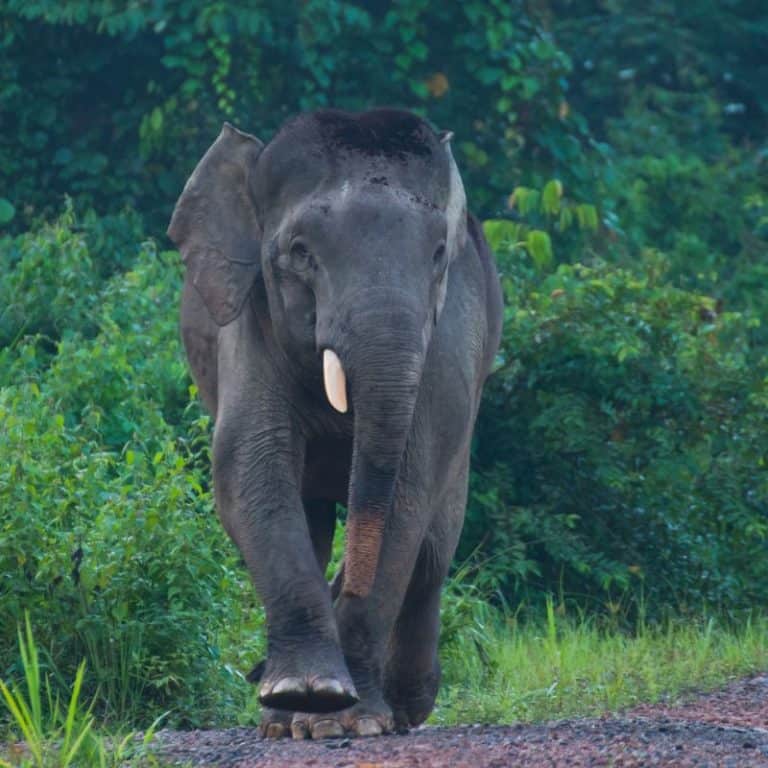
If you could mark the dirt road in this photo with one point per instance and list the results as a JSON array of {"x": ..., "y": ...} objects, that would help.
[{"x": 726, "y": 728}]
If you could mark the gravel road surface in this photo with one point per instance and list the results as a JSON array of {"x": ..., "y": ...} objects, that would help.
[{"x": 728, "y": 727}]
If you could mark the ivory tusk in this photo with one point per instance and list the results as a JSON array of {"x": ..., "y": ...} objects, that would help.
[{"x": 335, "y": 381}]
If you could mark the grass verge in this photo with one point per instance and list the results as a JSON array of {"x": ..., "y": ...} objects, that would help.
[
  {"x": 56, "y": 735},
  {"x": 495, "y": 671}
]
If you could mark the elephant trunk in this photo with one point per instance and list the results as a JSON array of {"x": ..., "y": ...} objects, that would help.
[{"x": 385, "y": 361}]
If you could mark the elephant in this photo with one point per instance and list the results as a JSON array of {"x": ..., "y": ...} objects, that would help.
[{"x": 340, "y": 312}]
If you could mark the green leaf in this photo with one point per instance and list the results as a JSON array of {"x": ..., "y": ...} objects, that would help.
[
  {"x": 526, "y": 200},
  {"x": 587, "y": 216},
  {"x": 540, "y": 247},
  {"x": 7, "y": 211},
  {"x": 488, "y": 75},
  {"x": 551, "y": 196},
  {"x": 62, "y": 156},
  {"x": 156, "y": 120},
  {"x": 501, "y": 234}
]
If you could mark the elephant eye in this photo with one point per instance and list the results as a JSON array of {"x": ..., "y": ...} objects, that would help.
[{"x": 300, "y": 257}]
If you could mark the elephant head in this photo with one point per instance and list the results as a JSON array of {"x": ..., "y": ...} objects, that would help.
[{"x": 352, "y": 222}]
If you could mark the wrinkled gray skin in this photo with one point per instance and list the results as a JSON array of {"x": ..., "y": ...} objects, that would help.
[{"x": 346, "y": 232}]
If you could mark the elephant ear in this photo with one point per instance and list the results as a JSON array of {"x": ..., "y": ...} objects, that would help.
[
  {"x": 456, "y": 218},
  {"x": 215, "y": 227}
]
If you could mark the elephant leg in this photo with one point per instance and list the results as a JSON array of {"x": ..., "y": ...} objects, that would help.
[
  {"x": 255, "y": 463},
  {"x": 412, "y": 676},
  {"x": 321, "y": 519},
  {"x": 366, "y": 626},
  {"x": 413, "y": 670}
]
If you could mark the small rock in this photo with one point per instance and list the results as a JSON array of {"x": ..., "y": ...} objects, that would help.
[
  {"x": 338, "y": 744},
  {"x": 749, "y": 745}
]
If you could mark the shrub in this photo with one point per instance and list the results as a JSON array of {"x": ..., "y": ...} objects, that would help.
[
  {"x": 109, "y": 538},
  {"x": 621, "y": 447},
  {"x": 52, "y": 276}
]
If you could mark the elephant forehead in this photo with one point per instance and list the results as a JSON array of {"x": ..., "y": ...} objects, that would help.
[
  {"x": 340, "y": 195},
  {"x": 363, "y": 202},
  {"x": 338, "y": 199}
]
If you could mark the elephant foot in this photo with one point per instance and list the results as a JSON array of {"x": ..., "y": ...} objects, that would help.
[
  {"x": 275, "y": 723},
  {"x": 308, "y": 683},
  {"x": 413, "y": 697},
  {"x": 363, "y": 719}
]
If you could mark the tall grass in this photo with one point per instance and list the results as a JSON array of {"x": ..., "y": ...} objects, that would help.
[
  {"x": 499, "y": 671},
  {"x": 496, "y": 668},
  {"x": 56, "y": 736}
]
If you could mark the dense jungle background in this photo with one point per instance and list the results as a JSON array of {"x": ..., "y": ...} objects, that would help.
[{"x": 618, "y": 154}]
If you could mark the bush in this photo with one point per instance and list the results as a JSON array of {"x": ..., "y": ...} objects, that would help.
[
  {"x": 52, "y": 277},
  {"x": 109, "y": 537},
  {"x": 621, "y": 447},
  {"x": 709, "y": 215}
]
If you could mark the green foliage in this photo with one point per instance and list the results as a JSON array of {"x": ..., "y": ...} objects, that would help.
[
  {"x": 536, "y": 210},
  {"x": 109, "y": 538},
  {"x": 500, "y": 670},
  {"x": 621, "y": 448},
  {"x": 56, "y": 737},
  {"x": 676, "y": 94},
  {"x": 67, "y": 729},
  {"x": 7, "y": 211},
  {"x": 698, "y": 69},
  {"x": 136, "y": 93},
  {"x": 708, "y": 216},
  {"x": 52, "y": 279}
]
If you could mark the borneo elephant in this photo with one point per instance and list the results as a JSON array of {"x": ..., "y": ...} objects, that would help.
[{"x": 341, "y": 311}]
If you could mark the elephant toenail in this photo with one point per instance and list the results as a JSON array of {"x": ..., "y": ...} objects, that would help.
[
  {"x": 275, "y": 731},
  {"x": 300, "y": 729},
  {"x": 327, "y": 729},
  {"x": 368, "y": 726},
  {"x": 327, "y": 686},
  {"x": 291, "y": 685}
]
